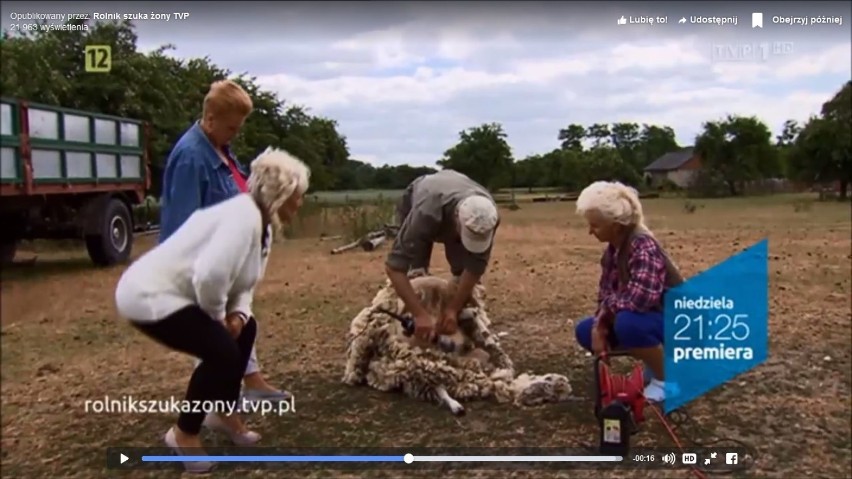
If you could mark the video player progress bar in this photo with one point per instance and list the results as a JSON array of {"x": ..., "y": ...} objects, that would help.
[{"x": 408, "y": 458}]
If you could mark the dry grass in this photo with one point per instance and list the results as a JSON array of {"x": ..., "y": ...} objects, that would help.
[{"x": 63, "y": 344}]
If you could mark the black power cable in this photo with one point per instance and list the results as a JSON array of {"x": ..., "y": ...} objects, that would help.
[{"x": 689, "y": 430}]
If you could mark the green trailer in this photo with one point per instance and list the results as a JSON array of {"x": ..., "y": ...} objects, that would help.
[{"x": 68, "y": 173}]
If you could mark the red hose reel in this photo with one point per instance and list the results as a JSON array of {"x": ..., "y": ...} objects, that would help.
[{"x": 619, "y": 404}]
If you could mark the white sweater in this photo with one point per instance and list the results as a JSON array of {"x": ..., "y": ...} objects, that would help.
[{"x": 213, "y": 260}]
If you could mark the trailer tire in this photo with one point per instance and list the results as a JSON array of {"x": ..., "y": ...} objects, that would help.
[
  {"x": 113, "y": 242},
  {"x": 8, "y": 248}
]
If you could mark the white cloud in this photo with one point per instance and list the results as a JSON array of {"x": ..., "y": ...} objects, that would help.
[
  {"x": 835, "y": 60},
  {"x": 777, "y": 68},
  {"x": 425, "y": 86},
  {"x": 545, "y": 71},
  {"x": 658, "y": 55},
  {"x": 387, "y": 48},
  {"x": 401, "y": 91}
]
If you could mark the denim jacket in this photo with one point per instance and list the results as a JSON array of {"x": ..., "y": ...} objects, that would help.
[{"x": 194, "y": 177}]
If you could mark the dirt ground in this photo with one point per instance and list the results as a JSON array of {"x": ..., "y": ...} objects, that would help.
[{"x": 62, "y": 344}]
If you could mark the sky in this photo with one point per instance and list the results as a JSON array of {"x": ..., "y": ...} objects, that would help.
[{"x": 402, "y": 79}]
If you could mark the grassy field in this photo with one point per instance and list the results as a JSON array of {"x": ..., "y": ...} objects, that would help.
[
  {"x": 62, "y": 344},
  {"x": 341, "y": 197},
  {"x": 355, "y": 196}
]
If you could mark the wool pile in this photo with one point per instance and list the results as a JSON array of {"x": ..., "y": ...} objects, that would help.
[{"x": 380, "y": 356}]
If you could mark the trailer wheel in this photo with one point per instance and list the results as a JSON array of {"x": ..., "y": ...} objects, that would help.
[
  {"x": 113, "y": 243},
  {"x": 8, "y": 248}
]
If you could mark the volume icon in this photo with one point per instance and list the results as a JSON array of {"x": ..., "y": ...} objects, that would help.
[{"x": 670, "y": 459}]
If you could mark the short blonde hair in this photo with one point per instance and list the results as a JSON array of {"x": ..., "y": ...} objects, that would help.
[
  {"x": 616, "y": 202},
  {"x": 227, "y": 97},
  {"x": 275, "y": 176}
]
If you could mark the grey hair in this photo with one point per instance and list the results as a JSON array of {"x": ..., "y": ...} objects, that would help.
[
  {"x": 616, "y": 202},
  {"x": 275, "y": 176}
]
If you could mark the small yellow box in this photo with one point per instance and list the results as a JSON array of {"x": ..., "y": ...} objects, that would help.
[{"x": 98, "y": 58}]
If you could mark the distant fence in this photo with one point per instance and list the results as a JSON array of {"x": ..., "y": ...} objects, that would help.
[{"x": 354, "y": 196}]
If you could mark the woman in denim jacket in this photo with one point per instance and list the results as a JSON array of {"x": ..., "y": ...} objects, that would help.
[{"x": 201, "y": 171}]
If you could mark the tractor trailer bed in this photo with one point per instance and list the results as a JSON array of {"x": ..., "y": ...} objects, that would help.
[{"x": 68, "y": 173}]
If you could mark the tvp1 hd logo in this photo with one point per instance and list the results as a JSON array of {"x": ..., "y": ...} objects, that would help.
[
  {"x": 750, "y": 52},
  {"x": 716, "y": 326}
]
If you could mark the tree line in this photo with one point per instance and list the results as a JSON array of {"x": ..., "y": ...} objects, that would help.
[
  {"x": 47, "y": 67},
  {"x": 733, "y": 151}
]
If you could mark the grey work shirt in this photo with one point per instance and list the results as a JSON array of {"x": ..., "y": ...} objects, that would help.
[{"x": 427, "y": 216}]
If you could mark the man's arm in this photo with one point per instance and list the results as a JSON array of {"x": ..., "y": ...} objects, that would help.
[
  {"x": 405, "y": 291},
  {"x": 475, "y": 265},
  {"x": 467, "y": 282},
  {"x": 411, "y": 238},
  {"x": 183, "y": 190}
]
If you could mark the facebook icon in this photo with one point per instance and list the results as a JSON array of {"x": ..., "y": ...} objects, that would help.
[{"x": 731, "y": 458}]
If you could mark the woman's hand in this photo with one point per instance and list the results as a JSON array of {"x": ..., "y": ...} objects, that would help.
[
  {"x": 599, "y": 339},
  {"x": 234, "y": 324}
]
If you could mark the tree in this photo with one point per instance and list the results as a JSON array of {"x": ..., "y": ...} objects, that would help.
[
  {"x": 789, "y": 133},
  {"x": 572, "y": 137},
  {"x": 604, "y": 163},
  {"x": 654, "y": 142},
  {"x": 815, "y": 158},
  {"x": 626, "y": 140},
  {"x": 483, "y": 154},
  {"x": 838, "y": 111},
  {"x": 784, "y": 144},
  {"x": 822, "y": 151},
  {"x": 739, "y": 149},
  {"x": 599, "y": 133}
]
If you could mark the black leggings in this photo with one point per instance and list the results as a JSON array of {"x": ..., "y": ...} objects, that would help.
[{"x": 223, "y": 359}]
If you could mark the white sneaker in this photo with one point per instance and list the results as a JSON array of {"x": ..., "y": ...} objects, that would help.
[
  {"x": 215, "y": 423},
  {"x": 195, "y": 467},
  {"x": 655, "y": 391}
]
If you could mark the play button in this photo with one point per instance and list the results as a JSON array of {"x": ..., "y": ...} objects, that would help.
[{"x": 122, "y": 457}]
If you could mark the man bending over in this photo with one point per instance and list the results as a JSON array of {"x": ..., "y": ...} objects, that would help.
[{"x": 450, "y": 208}]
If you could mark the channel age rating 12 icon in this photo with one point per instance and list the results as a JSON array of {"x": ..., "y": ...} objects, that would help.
[{"x": 716, "y": 326}]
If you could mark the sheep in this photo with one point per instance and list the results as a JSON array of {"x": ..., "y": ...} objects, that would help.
[{"x": 381, "y": 356}]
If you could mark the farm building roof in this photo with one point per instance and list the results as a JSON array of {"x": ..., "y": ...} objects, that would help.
[{"x": 671, "y": 161}]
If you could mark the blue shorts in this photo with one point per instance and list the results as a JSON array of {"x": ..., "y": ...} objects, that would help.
[{"x": 632, "y": 330}]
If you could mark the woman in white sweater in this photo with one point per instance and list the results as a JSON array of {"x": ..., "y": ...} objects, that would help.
[{"x": 193, "y": 292}]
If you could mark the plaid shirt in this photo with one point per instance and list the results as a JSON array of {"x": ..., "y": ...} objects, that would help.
[{"x": 644, "y": 291}]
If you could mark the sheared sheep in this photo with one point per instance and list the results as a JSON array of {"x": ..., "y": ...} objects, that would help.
[{"x": 381, "y": 356}]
